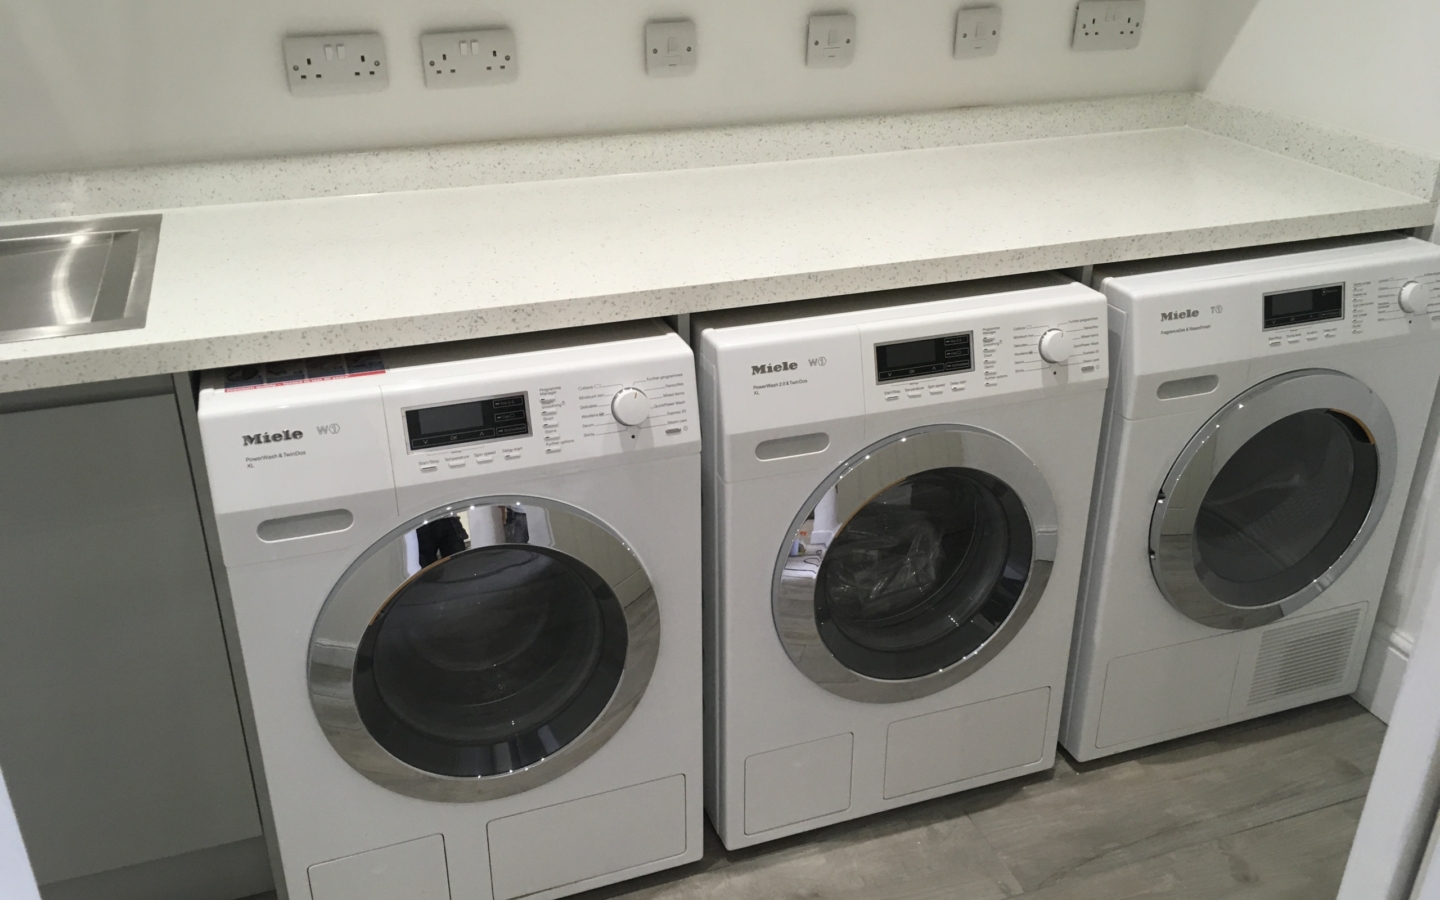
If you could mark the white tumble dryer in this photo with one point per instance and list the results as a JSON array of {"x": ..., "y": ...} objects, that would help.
[
  {"x": 465, "y": 590},
  {"x": 896, "y": 491},
  {"x": 1262, "y": 428}
]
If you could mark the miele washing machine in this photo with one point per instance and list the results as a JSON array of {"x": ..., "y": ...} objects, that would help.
[
  {"x": 465, "y": 590},
  {"x": 896, "y": 492},
  {"x": 1262, "y": 428}
]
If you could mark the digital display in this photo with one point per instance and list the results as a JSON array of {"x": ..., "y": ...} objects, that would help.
[
  {"x": 464, "y": 423},
  {"x": 904, "y": 360},
  {"x": 1290, "y": 308}
]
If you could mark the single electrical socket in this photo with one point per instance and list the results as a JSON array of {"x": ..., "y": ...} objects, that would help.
[
  {"x": 335, "y": 64},
  {"x": 670, "y": 48},
  {"x": 465, "y": 58},
  {"x": 977, "y": 32},
  {"x": 1108, "y": 24},
  {"x": 830, "y": 41}
]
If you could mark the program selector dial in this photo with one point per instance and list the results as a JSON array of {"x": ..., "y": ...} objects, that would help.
[
  {"x": 1055, "y": 346},
  {"x": 630, "y": 406},
  {"x": 1414, "y": 298}
]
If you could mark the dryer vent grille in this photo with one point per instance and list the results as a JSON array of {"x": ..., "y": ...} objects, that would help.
[{"x": 1305, "y": 656}]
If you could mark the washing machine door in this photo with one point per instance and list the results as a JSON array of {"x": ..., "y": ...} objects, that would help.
[
  {"x": 483, "y": 649},
  {"x": 1272, "y": 499},
  {"x": 914, "y": 563}
]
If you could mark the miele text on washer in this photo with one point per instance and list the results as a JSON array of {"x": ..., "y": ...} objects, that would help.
[{"x": 273, "y": 437}]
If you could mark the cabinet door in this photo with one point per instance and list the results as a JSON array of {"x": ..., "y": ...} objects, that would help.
[{"x": 120, "y": 733}]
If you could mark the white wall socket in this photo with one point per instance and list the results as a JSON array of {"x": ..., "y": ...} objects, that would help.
[
  {"x": 830, "y": 41},
  {"x": 465, "y": 58},
  {"x": 977, "y": 32},
  {"x": 336, "y": 64},
  {"x": 670, "y": 48},
  {"x": 1108, "y": 24}
]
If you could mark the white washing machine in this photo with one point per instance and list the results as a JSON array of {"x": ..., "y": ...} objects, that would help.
[
  {"x": 896, "y": 491},
  {"x": 465, "y": 589},
  {"x": 1262, "y": 428}
]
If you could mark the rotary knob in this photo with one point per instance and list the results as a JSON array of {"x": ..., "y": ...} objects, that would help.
[
  {"x": 630, "y": 406},
  {"x": 1055, "y": 346},
  {"x": 1414, "y": 298}
]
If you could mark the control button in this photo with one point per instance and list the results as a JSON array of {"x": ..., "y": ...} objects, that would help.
[
  {"x": 1414, "y": 298},
  {"x": 914, "y": 395},
  {"x": 429, "y": 466},
  {"x": 938, "y": 389},
  {"x": 892, "y": 398},
  {"x": 630, "y": 406},
  {"x": 957, "y": 387},
  {"x": 1055, "y": 346}
]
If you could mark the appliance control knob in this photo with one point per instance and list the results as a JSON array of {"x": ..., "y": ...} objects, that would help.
[
  {"x": 1413, "y": 297},
  {"x": 630, "y": 406},
  {"x": 1055, "y": 346}
]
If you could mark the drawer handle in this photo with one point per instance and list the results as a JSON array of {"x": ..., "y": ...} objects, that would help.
[
  {"x": 309, "y": 525},
  {"x": 1187, "y": 387},
  {"x": 797, "y": 445}
]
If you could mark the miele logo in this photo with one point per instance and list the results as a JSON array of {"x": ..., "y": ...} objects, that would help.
[
  {"x": 771, "y": 368},
  {"x": 273, "y": 437},
  {"x": 1179, "y": 314}
]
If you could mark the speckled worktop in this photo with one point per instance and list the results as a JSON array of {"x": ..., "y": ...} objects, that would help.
[{"x": 390, "y": 249}]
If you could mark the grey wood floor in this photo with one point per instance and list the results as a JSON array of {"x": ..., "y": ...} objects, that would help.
[{"x": 1265, "y": 809}]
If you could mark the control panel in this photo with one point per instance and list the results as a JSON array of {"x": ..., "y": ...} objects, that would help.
[
  {"x": 775, "y": 374},
  {"x": 492, "y": 422},
  {"x": 1324, "y": 299},
  {"x": 1024, "y": 347}
]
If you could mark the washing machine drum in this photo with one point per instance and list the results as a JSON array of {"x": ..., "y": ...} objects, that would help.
[
  {"x": 914, "y": 563},
  {"x": 483, "y": 649},
  {"x": 1272, "y": 499}
]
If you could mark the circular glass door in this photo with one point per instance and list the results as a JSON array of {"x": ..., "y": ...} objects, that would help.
[
  {"x": 1272, "y": 499},
  {"x": 483, "y": 649},
  {"x": 914, "y": 563}
]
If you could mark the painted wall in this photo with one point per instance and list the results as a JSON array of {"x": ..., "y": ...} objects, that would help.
[
  {"x": 1368, "y": 68},
  {"x": 87, "y": 83}
]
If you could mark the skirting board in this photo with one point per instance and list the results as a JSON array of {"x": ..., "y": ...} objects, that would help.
[
  {"x": 1384, "y": 668},
  {"x": 227, "y": 872}
]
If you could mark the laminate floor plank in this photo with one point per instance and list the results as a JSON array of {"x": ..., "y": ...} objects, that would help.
[
  {"x": 1299, "y": 858},
  {"x": 1120, "y": 810}
]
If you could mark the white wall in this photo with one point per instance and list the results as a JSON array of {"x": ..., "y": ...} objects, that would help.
[
  {"x": 86, "y": 83},
  {"x": 1372, "y": 68}
]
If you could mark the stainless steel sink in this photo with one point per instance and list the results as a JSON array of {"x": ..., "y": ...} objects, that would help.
[{"x": 77, "y": 276}]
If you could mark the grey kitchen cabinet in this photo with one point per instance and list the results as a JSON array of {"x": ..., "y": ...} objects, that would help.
[{"x": 120, "y": 732}]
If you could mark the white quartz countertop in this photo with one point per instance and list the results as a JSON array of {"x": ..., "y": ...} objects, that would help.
[{"x": 251, "y": 282}]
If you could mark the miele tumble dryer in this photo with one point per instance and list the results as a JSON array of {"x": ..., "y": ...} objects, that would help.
[{"x": 1264, "y": 422}]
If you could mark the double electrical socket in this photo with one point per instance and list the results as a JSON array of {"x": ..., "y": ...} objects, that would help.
[
  {"x": 336, "y": 64},
  {"x": 464, "y": 58},
  {"x": 1108, "y": 24}
]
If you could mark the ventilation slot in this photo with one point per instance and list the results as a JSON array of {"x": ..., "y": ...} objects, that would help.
[{"x": 1306, "y": 656}]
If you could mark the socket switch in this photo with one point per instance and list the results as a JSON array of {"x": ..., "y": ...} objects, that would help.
[
  {"x": 977, "y": 32},
  {"x": 465, "y": 58},
  {"x": 335, "y": 64},
  {"x": 670, "y": 48},
  {"x": 1108, "y": 24},
  {"x": 830, "y": 41}
]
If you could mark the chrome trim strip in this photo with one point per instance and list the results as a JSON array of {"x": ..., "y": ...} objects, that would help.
[
  {"x": 373, "y": 579},
  {"x": 867, "y": 474},
  {"x": 1173, "y": 559}
]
